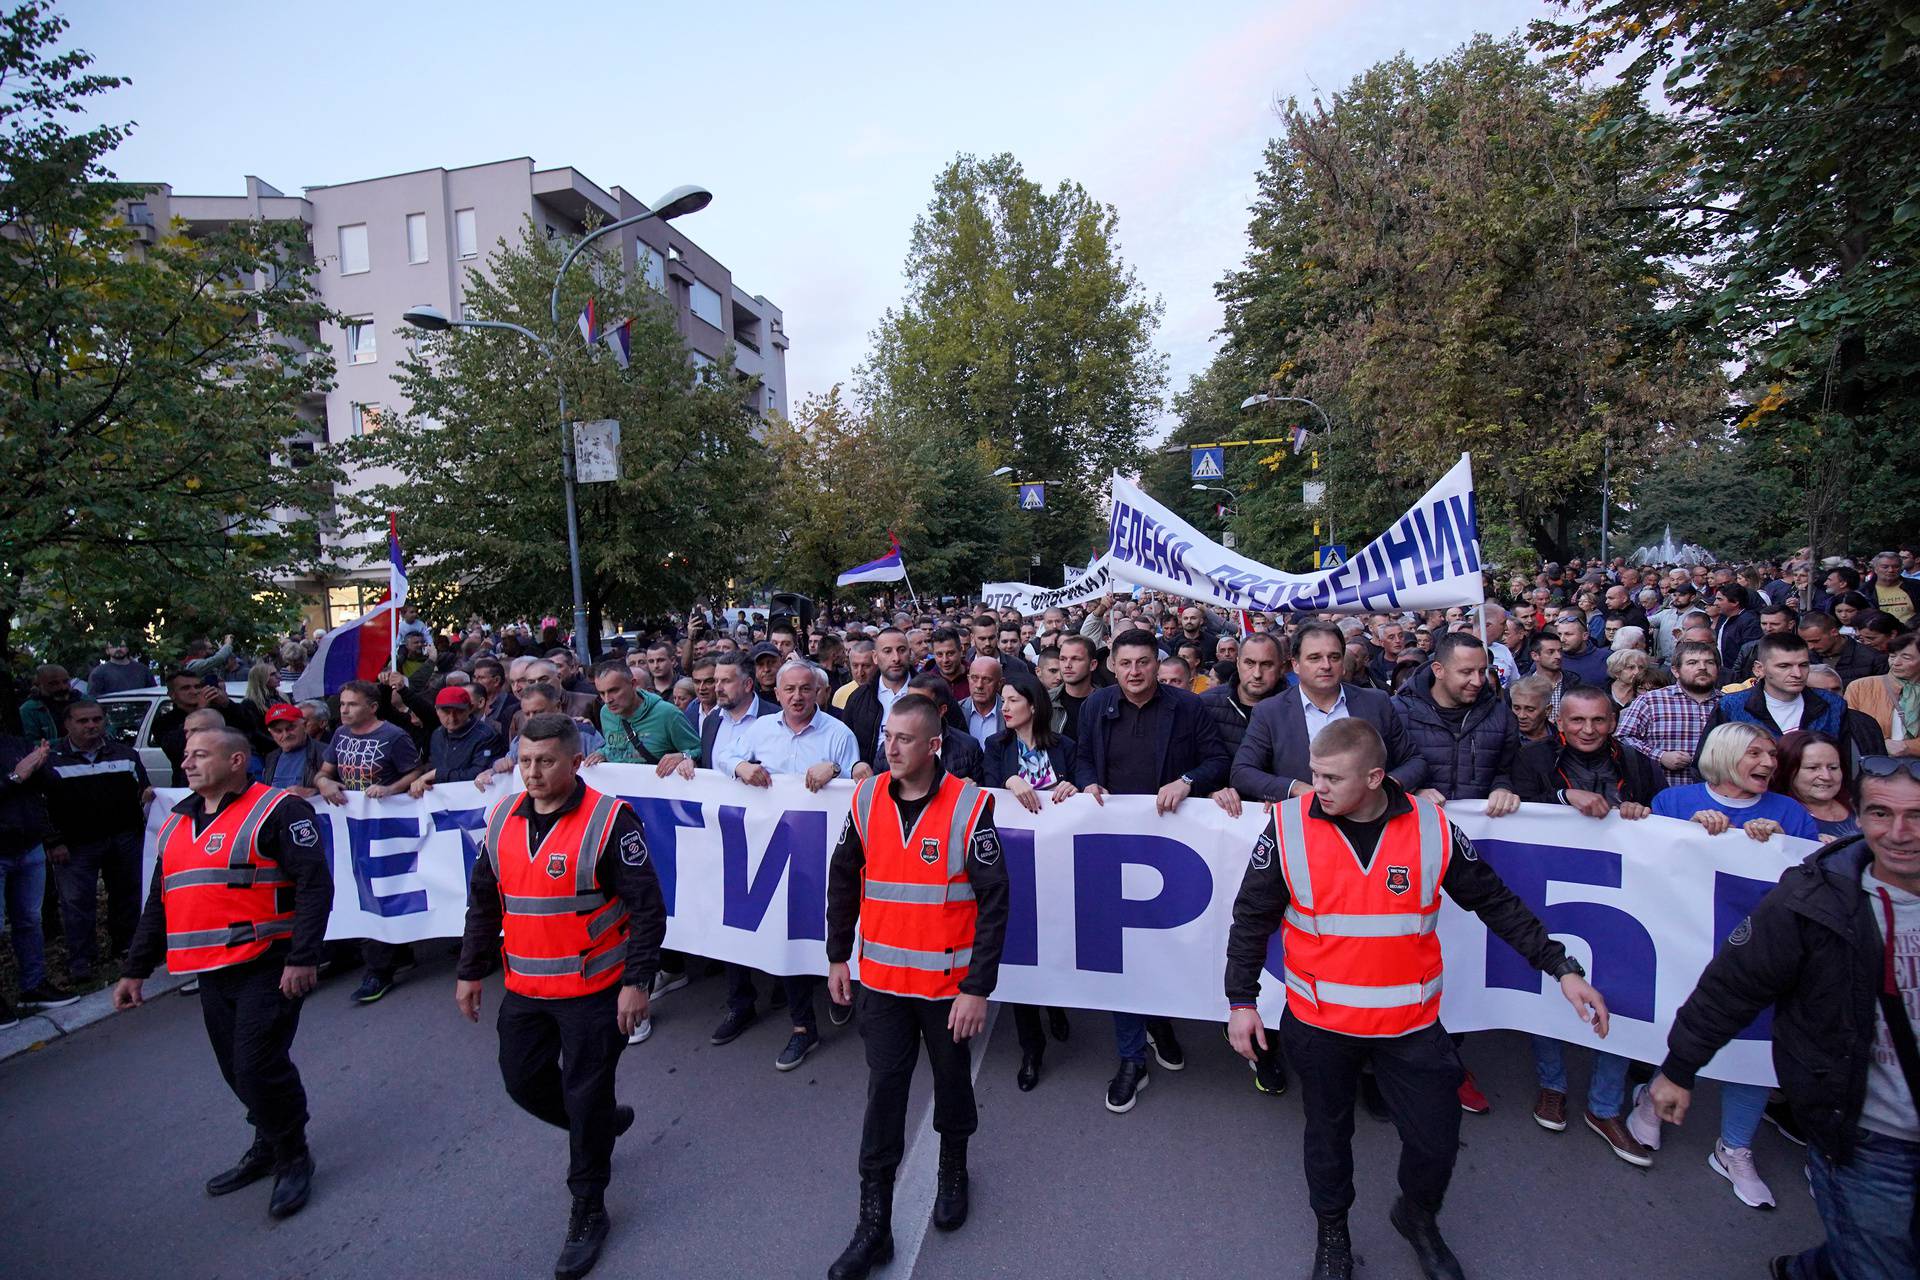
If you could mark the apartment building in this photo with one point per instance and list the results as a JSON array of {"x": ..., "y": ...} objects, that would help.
[{"x": 384, "y": 245}]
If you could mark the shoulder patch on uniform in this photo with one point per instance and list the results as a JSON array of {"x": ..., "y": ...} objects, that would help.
[
  {"x": 1742, "y": 932},
  {"x": 986, "y": 847},
  {"x": 1464, "y": 847},
  {"x": 633, "y": 849},
  {"x": 1263, "y": 851},
  {"x": 846, "y": 829},
  {"x": 303, "y": 833}
]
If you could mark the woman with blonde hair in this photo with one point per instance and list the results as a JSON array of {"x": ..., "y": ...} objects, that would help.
[
  {"x": 1626, "y": 668},
  {"x": 263, "y": 687}
]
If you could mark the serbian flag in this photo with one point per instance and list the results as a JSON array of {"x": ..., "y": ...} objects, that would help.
[
  {"x": 1246, "y": 624},
  {"x": 620, "y": 340},
  {"x": 888, "y": 568},
  {"x": 1299, "y": 438},
  {"x": 361, "y": 649},
  {"x": 589, "y": 324}
]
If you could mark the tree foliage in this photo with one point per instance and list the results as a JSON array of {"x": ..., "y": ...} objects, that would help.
[
  {"x": 1023, "y": 333},
  {"x": 150, "y": 393},
  {"x": 1789, "y": 169},
  {"x": 1440, "y": 259},
  {"x": 475, "y": 468}
]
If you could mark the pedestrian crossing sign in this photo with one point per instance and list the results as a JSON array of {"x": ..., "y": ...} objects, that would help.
[
  {"x": 1330, "y": 557},
  {"x": 1208, "y": 464},
  {"x": 1033, "y": 497}
]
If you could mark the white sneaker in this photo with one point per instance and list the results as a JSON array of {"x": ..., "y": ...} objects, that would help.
[
  {"x": 1642, "y": 1121},
  {"x": 641, "y": 1031},
  {"x": 1735, "y": 1164}
]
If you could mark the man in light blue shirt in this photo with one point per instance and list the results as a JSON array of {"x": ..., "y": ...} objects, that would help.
[
  {"x": 983, "y": 701},
  {"x": 800, "y": 740}
]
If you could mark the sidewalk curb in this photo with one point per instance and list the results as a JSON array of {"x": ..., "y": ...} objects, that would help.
[{"x": 37, "y": 1030}]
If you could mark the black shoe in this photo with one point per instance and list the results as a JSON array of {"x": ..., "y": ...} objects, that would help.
[
  {"x": 253, "y": 1166},
  {"x": 372, "y": 987},
  {"x": 622, "y": 1119},
  {"x": 1269, "y": 1074},
  {"x": 1124, "y": 1089},
  {"x": 1371, "y": 1098},
  {"x": 1333, "y": 1254},
  {"x": 292, "y": 1184},
  {"x": 736, "y": 1021},
  {"x": 839, "y": 1014},
  {"x": 1423, "y": 1233},
  {"x": 1166, "y": 1048},
  {"x": 587, "y": 1229},
  {"x": 48, "y": 995},
  {"x": 8, "y": 1018},
  {"x": 872, "y": 1243},
  {"x": 1029, "y": 1073},
  {"x": 1057, "y": 1024},
  {"x": 950, "y": 1195},
  {"x": 1780, "y": 1116},
  {"x": 799, "y": 1045}
]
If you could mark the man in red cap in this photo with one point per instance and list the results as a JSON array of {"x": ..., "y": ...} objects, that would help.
[
  {"x": 295, "y": 761},
  {"x": 463, "y": 747}
]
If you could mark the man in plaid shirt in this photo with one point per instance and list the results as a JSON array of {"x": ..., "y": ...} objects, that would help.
[{"x": 1666, "y": 724}]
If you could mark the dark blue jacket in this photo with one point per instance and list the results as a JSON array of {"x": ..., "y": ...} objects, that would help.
[
  {"x": 1003, "y": 760},
  {"x": 466, "y": 757},
  {"x": 1468, "y": 763},
  {"x": 1189, "y": 744},
  {"x": 1858, "y": 734},
  {"x": 1735, "y": 634},
  {"x": 1273, "y": 755}
]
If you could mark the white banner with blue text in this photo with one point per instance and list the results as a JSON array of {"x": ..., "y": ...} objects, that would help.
[
  {"x": 1114, "y": 907},
  {"x": 1429, "y": 559}
]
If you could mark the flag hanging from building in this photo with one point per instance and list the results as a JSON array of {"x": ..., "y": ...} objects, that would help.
[
  {"x": 888, "y": 568},
  {"x": 589, "y": 324},
  {"x": 1299, "y": 438},
  {"x": 620, "y": 341}
]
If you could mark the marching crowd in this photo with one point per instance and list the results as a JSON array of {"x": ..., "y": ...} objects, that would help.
[{"x": 1755, "y": 701}]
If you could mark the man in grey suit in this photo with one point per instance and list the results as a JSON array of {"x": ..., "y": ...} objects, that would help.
[{"x": 1271, "y": 763}]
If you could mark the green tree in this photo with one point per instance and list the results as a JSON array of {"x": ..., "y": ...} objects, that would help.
[
  {"x": 151, "y": 394},
  {"x": 1441, "y": 261},
  {"x": 477, "y": 466},
  {"x": 1023, "y": 332},
  {"x": 1789, "y": 167}
]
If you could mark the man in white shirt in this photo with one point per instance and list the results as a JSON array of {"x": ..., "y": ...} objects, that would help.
[{"x": 800, "y": 740}]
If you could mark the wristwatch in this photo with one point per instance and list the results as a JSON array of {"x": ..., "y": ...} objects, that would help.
[
  {"x": 1570, "y": 965},
  {"x": 1188, "y": 779}
]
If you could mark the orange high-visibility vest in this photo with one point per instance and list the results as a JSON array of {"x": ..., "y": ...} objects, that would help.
[
  {"x": 1362, "y": 957},
  {"x": 917, "y": 908},
  {"x": 222, "y": 897},
  {"x": 564, "y": 936}
]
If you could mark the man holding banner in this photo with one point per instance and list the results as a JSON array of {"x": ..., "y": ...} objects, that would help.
[{"x": 1350, "y": 875}]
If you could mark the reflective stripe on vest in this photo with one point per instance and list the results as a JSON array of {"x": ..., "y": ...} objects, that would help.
[
  {"x": 1293, "y": 851},
  {"x": 229, "y": 912},
  {"x": 893, "y": 891},
  {"x": 925, "y": 961},
  {"x": 564, "y": 966},
  {"x": 1402, "y": 925}
]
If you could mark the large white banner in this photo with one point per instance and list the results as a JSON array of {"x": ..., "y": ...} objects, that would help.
[
  {"x": 1114, "y": 907},
  {"x": 1429, "y": 559},
  {"x": 1093, "y": 582}
]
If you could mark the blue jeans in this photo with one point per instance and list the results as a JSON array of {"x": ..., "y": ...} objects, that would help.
[
  {"x": 1606, "y": 1088},
  {"x": 1867, "y": 1207},
  {"x": 1130, "y": 1034},
  {"x": 1741, "y": 1108},
  {"x": 23, "y": 884}
]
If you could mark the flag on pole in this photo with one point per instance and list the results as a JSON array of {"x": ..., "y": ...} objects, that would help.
[
  {"x": 888, "y": 568},
  {"x": 1246, "y": 624},
  {"x": 1299, "y": 438},
  {"x": 589, "y": 324},
  {"x": 396, "y": 567},
  {"x": 361, "y": 649},
  {"x": 620, "y": 342}
]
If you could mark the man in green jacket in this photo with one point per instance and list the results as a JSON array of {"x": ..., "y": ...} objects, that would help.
[{"x": 640, "y": 727}]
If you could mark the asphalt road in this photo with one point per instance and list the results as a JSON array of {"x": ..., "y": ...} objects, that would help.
[{"x": 735, "y": 1170}]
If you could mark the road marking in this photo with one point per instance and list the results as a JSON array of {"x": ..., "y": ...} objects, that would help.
[{"x": 919, "y": 1174}]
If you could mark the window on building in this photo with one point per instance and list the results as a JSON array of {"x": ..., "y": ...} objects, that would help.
[
  {"x": 416, "y": 237},
  {"x": 655, "y": 269},
  {"x": 468, "y": 311},
  {"x": 353, "y": 249},
  {"x": 361, "y": 345},
  {"x": 705, "y": 303},
  {"x": 465, "y": 233},
  {"x": 367, "y": 419}
]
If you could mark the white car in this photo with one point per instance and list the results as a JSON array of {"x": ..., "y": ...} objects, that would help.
[{"x": 130, "y": 718}]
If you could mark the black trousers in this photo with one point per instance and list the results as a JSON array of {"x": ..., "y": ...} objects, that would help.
[
  {"x": 117, "y": 858},
  {"x": 251, "y": 1026},
  {"x": 384, "y": 957},
  {"x": 557, "y": 1058},
  {"x": 742, "y": 994},
  {"x": 894, "y": 1028},
  {"x": 1418, "y": 1074}
]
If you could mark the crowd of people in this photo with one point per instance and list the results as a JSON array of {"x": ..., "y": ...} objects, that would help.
[{"x": 1765, "y": 699}]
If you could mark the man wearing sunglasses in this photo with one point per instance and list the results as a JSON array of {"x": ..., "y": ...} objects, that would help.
[{"x": 1835, "y": 949}]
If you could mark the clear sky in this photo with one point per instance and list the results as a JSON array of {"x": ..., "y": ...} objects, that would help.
[{"x": 819, "y": 126}]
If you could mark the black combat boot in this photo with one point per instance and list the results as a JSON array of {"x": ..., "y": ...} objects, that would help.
[
  {"x": 587, "y": 1229},
  {"x": 1423, "y": 1233},
  {"x": 1333, "y": 1255},
  {"x": 872, "y": 1243},
  {"x": 950, "y": 1195}
]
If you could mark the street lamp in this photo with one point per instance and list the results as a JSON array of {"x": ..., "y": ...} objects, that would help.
[
  {"x": 1233, "y": 498},
  {"x": 1259, "y": 398},
  {"x": 674, "y": 204},
  {"x": 1001, "y": 471}
]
